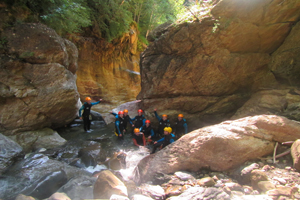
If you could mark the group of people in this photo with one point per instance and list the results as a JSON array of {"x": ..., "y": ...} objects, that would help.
[{"x": 143, "y": 132}]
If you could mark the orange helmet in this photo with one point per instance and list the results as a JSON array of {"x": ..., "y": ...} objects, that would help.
[
  {"x": 125, "y": 111},
  {"x": 164, "y": 115},
  {"x": 180, "y": 115},
  {"x": 147, "y": 121},
  {"x": 136, "y": 130},
  {"x": 88, "y": 99},
  {"x": 140, "y": 110},
  {"x": 120, "y": 113}
]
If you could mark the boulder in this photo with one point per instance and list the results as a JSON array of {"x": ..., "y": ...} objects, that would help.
[
  {"x": 206, "y": 182},
  {"x": 108, "y": 184},
  {"x": 295, "y": 152},
  {"x": 80, "y": 187},
  {"x": 36, "y": 171},
  {"x": 43, "y": 138},
  {"x": 36, "y": 88},
  {"x": 221, "y": 147},
  {"x": 9, "y": 150}
]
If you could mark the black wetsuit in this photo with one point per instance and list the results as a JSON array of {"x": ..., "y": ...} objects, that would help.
[
  {"x": 119, "y": 127},
  {"x": 138, "y": 121},
  {"x": 180, "y": 128}
]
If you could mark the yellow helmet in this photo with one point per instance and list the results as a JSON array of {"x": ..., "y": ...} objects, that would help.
[
  {"x": 168, "y": 129},
  {"x": 125, "y": 111},
  {"x": 88, "y": 99},
  {"x": 180, "y": 115},
  {"x": 136, "y": 130},
  {"x": 164, "y": 115}
]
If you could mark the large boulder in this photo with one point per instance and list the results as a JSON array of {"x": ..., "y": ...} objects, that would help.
[
  {"x": 36, "y": 88},
  {"x": 221, "y": 147},
  {"x": 207, "y": 69},
  {"x": 37, "y": 175},
  {"x": 283, "y": 101},
  {"x": 9, "y": 150},
  {"x": 43, "y": 138}
]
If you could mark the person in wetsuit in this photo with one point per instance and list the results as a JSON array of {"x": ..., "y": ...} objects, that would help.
[
  {"x": 180, "y": 127},
  {"x": 139, "y": 120},
  {"x": 148, "y": 131},
  {"x": 138, "y": 138},
  {"x": 166, "y": 140},
  {"x": 163, "y": 122},
  {"x": 86, "y": 107},
  {"x": 119, "y": 126},
  {"x": 125, "y": 117}
]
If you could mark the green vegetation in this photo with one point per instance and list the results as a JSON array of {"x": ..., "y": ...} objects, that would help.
[{"x": 108, "y": 19}]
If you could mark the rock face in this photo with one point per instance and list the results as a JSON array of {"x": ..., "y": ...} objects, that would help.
[
  {"x": 220, "y": 147},
  {"x": 36, "y": 88},
  {"x": 107, "y": 70},
  {"x": 206, "y": 70}
]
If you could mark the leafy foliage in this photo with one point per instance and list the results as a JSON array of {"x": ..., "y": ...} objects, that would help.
[{"x": 65, "y": 16}]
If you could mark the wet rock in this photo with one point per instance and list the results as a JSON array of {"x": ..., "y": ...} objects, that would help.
[
  {"x": 117, "y": 161},
  {"x": 47, "y": 185},
  {"x": 42, "y": 138},
  {"x": 25, "y": 175},
  {"x": 208, "y": 182},
  {"x": 108, "y": 184},
  {"x": 153, "y": 191},
  {"x": 89, "y": 155},
  {"x": 184, "y": 176},
  {"x": 9, "y": 151},
  {"x": 59, "y": 196},
  {"x": 265, "y": 186},
  {"x": 202, "y": 193},
  {"x": 295, "y": 152},
  {"x": 78, "y": 188},
  {"x": 257, "y": 176}
]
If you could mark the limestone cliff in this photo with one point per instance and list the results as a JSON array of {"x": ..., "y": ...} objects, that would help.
[
  {"x": 209, "y": 68},
  {"x": 108, "y": 70},
  {"x": 37, "y": 81}
]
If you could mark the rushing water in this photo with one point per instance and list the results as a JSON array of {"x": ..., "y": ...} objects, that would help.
[{"x": 25, "y": 175}]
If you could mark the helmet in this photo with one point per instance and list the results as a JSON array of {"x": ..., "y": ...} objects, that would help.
[
  {"x": 136, "y": 130},
  {"x": 147, "y": 122},
  {"x": 88, "y": 99},
  {"x": 125, "y": 111},
  {"x": 169, "y": 129},
  {"x": 164, "y": 115},
  {"x": 140, "y": 110},
  {"x": 120, "y": 113},
  {"x": 180, "y": 115}
]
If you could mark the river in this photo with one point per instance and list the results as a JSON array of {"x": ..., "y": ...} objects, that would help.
[{"x": 88, "y": 152}]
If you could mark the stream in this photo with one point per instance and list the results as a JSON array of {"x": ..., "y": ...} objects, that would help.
[{"x": 83, "y": 155}]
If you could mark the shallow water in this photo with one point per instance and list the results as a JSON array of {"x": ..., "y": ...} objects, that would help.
[{"x": 102, "y": 138}]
